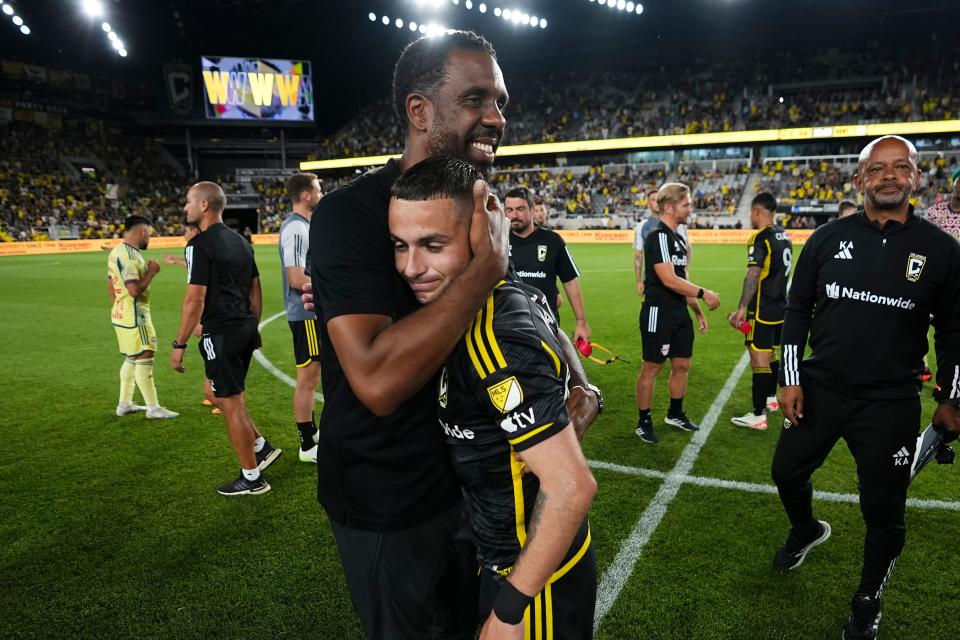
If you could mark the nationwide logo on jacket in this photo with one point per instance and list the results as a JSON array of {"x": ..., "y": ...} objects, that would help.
[{"x": 837, "y": 291}]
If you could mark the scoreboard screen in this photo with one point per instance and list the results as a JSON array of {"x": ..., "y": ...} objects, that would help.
[{"x": 257, "y": 89}]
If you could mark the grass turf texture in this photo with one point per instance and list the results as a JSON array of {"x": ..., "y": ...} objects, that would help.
[{"x": 111, "y": 527}]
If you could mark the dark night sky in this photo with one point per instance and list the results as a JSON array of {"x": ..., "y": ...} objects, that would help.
[{"x": 353, "y": 57}]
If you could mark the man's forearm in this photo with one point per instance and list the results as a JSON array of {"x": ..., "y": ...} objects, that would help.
[
  {"x": 575, "y": 296},
  {"x": 749, "y": 285},
  {"x": 638, "y": 265},
  {"x": 682, "y": 286},
  {"x": 189, "y": 318},
  {"x": 256, "y": 298}
]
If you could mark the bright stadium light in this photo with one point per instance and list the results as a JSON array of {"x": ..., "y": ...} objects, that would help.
[
  {"x": 371, "y": 15},
  {"x": 639, "y": 9},
  {"x": 17, "y": 20},
  {"x": 413, "y": 25},
  {"x": 7, "y": 9},
  {"x": 123, "y": 53},
  {"x": 106, "y": 27},
  {"x": 423, "y": 28},
  {"x": 25, "y": 30},
  {"x": 534, "y": 21},
  {"x": 112, "y": 36},
  {"x": 385, "y": 20},
  {"x": 629, "y": 7},
  {"x": 621, "y": 5},
  {"x": 507, "y": 13},
  {"x": 543, "y": 23},
  {"x": 92, "y": 8},
  {"x": 497, "y": 12},
  {"x": 399, "y": 23},
  {"x": 483, "y": 8}
]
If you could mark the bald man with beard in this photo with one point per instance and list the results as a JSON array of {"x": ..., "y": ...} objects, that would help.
[{"x": 223, "y": 294}]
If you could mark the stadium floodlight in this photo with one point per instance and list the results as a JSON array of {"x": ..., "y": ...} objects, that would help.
[
  {"x": 106, "y": 27},
  {"x": 629, "y": 7},
  {"x": 25, "y": 30},
  {"x": 7, "y": 9},
  {"x": 543, "y": 23},
  {"x": 483, "y": 8},
  {"x": 423, "y": 28},
  {"x": 92, "y": 8},
  {"x": 17, "y": 20},
  {"x": 112, "y": 36},
  {"x": 455, "y": 1},
  {"x": 506, "y": 14},
  {"x": 123, "y": 53},
  {"x": 497, "y": 12},
  {"x": 399, "y": 23},
  {"x": 385, "y": 20},
  {"x": 413, "y": 26},
  {"x": 621, "y": 5},
  {"x": 534, "y": 21},
  {"x": 639, "y": 9},
  {"x": 371, "y": 15},
  {"x": 116, "y": 44}
]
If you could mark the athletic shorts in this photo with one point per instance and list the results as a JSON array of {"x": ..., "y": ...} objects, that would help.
[
  {"x": 564, "y": 609},
  {"x": 666, "y": 332},
  {"x": 136, "y": 340},
  {"x": 226, "y": 358},
  {"x": 762, "y": 337},
  {"x": 306, "y": 343}
]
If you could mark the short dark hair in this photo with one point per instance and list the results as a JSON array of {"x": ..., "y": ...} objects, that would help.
[
  {"x": 136, "y": 221},
  {"x": 298, "y": 184},
  {"x": 436, "y": 178},
  {"x": 766, "y": 200},
  {"x": 422, "y": 63},
  {"x": 520, "y": 192},
  {"x": 846, "y": 204}
]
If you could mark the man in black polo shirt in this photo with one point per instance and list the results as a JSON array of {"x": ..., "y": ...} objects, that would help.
[
  {"x": 223, "y": 293},
  {"x": 864, "y": 290},
  {"x": 541, "y": 256},
  {"x": 665, "y": 327},
  {"x": 384, "y": 476}
]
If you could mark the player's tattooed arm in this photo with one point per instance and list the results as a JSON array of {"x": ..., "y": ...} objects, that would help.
[{"x": 750, "y": 282}]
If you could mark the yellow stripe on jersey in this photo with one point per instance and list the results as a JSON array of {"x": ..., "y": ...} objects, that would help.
[
  {"x": 478, "y": 342},
  {"x": 526, "y": 623},
  {"x": 492, "y": 339},
  {"x": 538, "y": 605},
  {"x": 472, "y": 350},
  {"x": 530, "y": 434},
  {"x": 556, "y": 360},
  {"x": 562, "y": 571},
  {"x": 548, "y": 605},
  {"x": 516, "y": 472}
]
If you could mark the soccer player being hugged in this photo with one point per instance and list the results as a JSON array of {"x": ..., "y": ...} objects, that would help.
[
  {"x": 764, "y": 296},
  {"x": 666, "y": 330},
  {"x": 541, "y": 255},
  {"x": 304, "y": 192},
  {"x": 502, "y": 409},
  {"x": 128, "y": 285},
  {"x": 864, "y": 290}
]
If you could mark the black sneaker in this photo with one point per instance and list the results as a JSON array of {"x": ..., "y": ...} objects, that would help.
[
  {"x": 645, "y": 431},
  {"x": 267, "y": 455},
  {"x": 243, "y": 487},
  {"x": 791, "y": 554},
  {"x": 681, "y": 421},
  {"x": 864, "y": 620}
]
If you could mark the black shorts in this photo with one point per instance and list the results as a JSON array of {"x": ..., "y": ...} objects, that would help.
[
  {"x": 306, "y": 343},
  {"x": 564, "y": 609},
  {"x": 226, "y": 358},
  {"x": 666, "y": 332},
  {"x": 762, "y": 337}
]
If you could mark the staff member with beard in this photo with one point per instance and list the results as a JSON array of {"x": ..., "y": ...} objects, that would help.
[
  {"x": 384, "y": 477},
  {"x": 864, "y": 290}
]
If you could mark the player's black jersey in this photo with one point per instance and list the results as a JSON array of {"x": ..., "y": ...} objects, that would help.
[
  {"x": 540, "y": 259},
  {"x": 771, "y": 250},
  {"x": 663, "y": 245},
  {"x": 222, "y": 261},
  {"x": 502, "y": 390}
]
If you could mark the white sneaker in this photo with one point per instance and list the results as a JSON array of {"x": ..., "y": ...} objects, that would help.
[
  {"x": 128, "y": 407},
  {"x": 750, "y": 420},
  {"x": 772, "y": 404},
  {"x": 161, "y": 413},
  {"x": 310, "y": 455}
]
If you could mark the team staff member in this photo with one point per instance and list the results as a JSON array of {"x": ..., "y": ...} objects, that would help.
[
  {"x": 541, "y": 256},
  {"x": 501, "y": 407},
  {"x": 223, "y": 293},
  {"x": 864, "y": 289},
  {"x": 128, "y": 285},
  {"x": 946, "y": 214},
  {"x": 764, "y": 296},
  {"x": 665, "y": 327},
  {"x": 646, "y": 226},
  {"x": 304, "y": 192}
]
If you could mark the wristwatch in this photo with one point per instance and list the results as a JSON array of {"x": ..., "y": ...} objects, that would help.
[
  {"x": 700, "y": 293},
  {"x": 599, "y": 394},
  {"x": 179, "y": 345}
]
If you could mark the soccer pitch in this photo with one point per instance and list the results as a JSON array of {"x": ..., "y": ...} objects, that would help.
[{"x": 111, "y": 527}]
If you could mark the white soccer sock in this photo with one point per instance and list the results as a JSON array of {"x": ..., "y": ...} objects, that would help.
[
  {"x": 258, "y": 444},
  {"x": 251, "y": 474}
]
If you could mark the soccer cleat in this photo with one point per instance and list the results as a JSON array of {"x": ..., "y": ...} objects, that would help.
[
  {"x": 267, "y": 455},
  {"x": 309, "y": 455},
  {"x": 864, "y": 620},
  {"x": 645, "y": 431},
  {"x": 159, "y": 413},
  {"x": 751, "y": 420},
  {"x": 243, "y": 487},
  {"x": 206, "y": 403},
  {"x": 681, "y": 421},
  {"x": 792, "y": 553},
  {"x": 773, "y": 404},
  {"x": 216, "y": 411},
  {"x": 125, "y": 408}
]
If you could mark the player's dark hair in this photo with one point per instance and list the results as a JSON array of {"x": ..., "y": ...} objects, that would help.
[
  {"x": 766, "y": 200},
  {"x": 423, "y": 62},
  {"x": 135, "y": 221},
  {"x": 298, "y": 184},
  {"x": 847, "y": 204},
  {"x": 436, "y": 178},
  {"x": 520, "y": 192}
]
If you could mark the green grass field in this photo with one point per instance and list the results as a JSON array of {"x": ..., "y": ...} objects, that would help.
[{"x": 110, "y": 527}]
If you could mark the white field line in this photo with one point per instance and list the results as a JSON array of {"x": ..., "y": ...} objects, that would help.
[
  {"x": 755, "y": 487},
  {"x": 266, "y": 364},
  {"x": 619, "y": 571}
]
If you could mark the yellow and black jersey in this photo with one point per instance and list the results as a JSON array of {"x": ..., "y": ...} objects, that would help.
[
  {"x": 771, "y": 250},
  {"x": 503, "y": 390}
]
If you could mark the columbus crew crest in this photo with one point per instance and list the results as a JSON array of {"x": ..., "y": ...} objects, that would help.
[
  {"x": 444, "y": 385},
  {"x": 915, "y": 263},
  {"x": 542, "y": 252}
]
